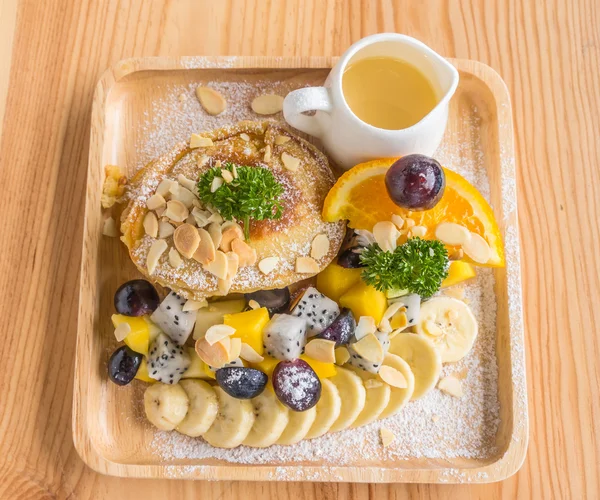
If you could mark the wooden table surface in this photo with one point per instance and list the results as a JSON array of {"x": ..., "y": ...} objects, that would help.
[{"x": 51, "y": 55}]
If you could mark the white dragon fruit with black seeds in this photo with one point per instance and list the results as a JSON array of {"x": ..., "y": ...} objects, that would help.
[
  {"x": 317, "y": 310},
  {"x": 167, "y": 362},
  {"x": 412, "y": 303},
  {"x": 284, "y": 337},
  {"x": 173, "y": 320},
  {"x": 359, "y": 362}
]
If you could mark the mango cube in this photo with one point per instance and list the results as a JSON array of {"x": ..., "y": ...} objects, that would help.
[
  {"x": 335, "y": 280},
  {"x": 139, "y": 337},
  {"x": 364, "y": 300},
  {"x": 197, "y": 366},
  {"x": 267, "y": 365},
  {"x": 323, "y": 370},
  {"x": 457, "y": 272},
  {"x": 249, "y": 326},
  {"x": 142, "y": 373}
]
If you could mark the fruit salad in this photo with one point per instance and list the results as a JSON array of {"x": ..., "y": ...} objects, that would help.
[{"x": 353, "y": 344}]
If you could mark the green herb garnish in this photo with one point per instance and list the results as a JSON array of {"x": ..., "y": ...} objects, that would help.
[
  {"x": 253, "y": 194},
  {"x": 418, "y": 266}
]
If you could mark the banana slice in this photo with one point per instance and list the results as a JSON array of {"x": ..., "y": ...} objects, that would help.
[
  {"x": 353, "y": 396},
  {"x": 298, "y": 426},
  {"x": 271, "y": 418},
  {"x": 203, "y": 408},
  {"x": 233, "y": 423},
  {"x": 328, "y": 409},
  {"x": 450, "y": 325},
  {"x": 377, "y": 400},
  {"x": 423, "y": 358},
  {"x": 398, "y": 397},
  {"x": 165, "y": 405}
]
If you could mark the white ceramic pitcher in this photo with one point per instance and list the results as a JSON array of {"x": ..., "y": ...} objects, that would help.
[{"x": 349, "y": 140}]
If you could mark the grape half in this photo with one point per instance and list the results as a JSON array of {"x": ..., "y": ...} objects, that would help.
[
  {"x": 296, "y": 385},
  {"x": 136, "y": 298}
]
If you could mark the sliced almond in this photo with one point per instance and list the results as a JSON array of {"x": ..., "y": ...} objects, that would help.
[
  {"x": 110, "y": 228},
  {"x": 235, "y": 348},
  {"x": 121, "y": 331},
  {"x": 267, "y": 104},
  {"x": 249, "y": 354},
  {"x": 155, "y": 201},
  {"x": 393, "y": 377},
  {"x": 419, "y": 231},
  {"x": 214, "y": 230},
  {"x": 234, "y": 171},
  {"x": 175, "y": 259},
  {"x": 409, "y": 223},
  {"x": 187, "y": 183},
  {"x": 385, "y": 326},
  {"x": 176, "y": 211},
  {"x": 233, "y": 263},
  {"x": 218, "y": 267},
  {"x": 392, "y": 309},
  {"x": 321, "y": 349},
  {"x": 151, "y": 224},
  {"x": 202, "y": 160},
  {"x": 164, "y": 187},
  {"x": 197, "y": 141},
  {"x": 215, "y": 355},
  {"x": 165, "y": 229},
  {"x": 386, "y": 235},
  {"x": 191, "y": 220},
  {"x": 218, "y": 332},
  {"x": 205, "y": 253},
  {"x": 212, "y": 101},
  {"x": 218, "y": 164},
  {"x": 227, "y": 176},
  {"x": 281, "y": 139},
  {"x": 200, "y": 216},
  {"x": 319, "y": 247},
  {"x": 306, "y": 265},
  {"x": 157, "y": 248},
  {"x": 245, "y": 137},
  {"x": 187, "y": 240},
  {"x": 182, "y": 194},
  {"x": 216, "y": 217},
  {"x": 229, "y": 234},
  {"x": 267, "y": 155},
  {"x": 246, "y": 254},
  {"x": 289, "y": 162},
  {"x": 365, "y": 326},
  {"x": 252, "y": 304},
  {"x": 369, "y": 348},
  {"x": 372, "y": 383},
  {"x": 223, "y": 286},
  {"x": 194, "y": 305},
  {"x": 341, "y": 356},
  {"x": 451, "y": 233},
  {"x": 477, "y": 249},
  {"x": 216, "y": 183},
  {"x": 267, "y": 264},
  {"x": 160, "y": 211},
  {"x": 398, "y": 221},
  {"x": 451, "y": 385},
  {"x": 387, "y": 436}
]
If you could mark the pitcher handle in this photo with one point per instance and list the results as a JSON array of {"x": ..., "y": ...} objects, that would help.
[{"x": 306, "y": 99}]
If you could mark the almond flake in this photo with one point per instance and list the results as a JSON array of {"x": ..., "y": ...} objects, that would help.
[
  {"x": 319, "y": 247},
  {"x": 157, "y": 248},
  {"x": 110, "y": 228},
  {"x": 194, "y": 305},
  {"x": 289, "y": 162},
  {"x": 205, "y": 253},
  {"x": 369, "y": 348},
  {"x": 215, "y": 355},
  {"x": 218, "y": 332},
  {"x": 234, "y": 171},
  {"x": 281, "y": 139},
  {"x": 306, "y": 265},
  {"x": 151, "y": 224},
  {"x": 200, "y": 216},
  {"x": 392, "y": 377},
  {"x": 212, "y": 101},
  {"x": 186, "y": 240},
  {"x": 409, "y": 223},
  {"x": 249, "y": 354},
  {"x": 321, "y": 349},
  {"x": 176, "y": 211},
  {"x": 267, "y": 264},
  {"x": 175, "y": 259},
  {"x": 477, "y": 249},
  {"x": 372, "y": 383},
  {"x": 230, "y": 233},
  {"x": 366, "y": 325},
  {"x": 203, "y": 160},
  {"x": 160, "y": 211},
  {"x": 216, "y": 217},
  {"x": 233, "y": 263},
  {"x": 235, "y": 349},
  {"x": 451, "y": 385},
  {"x": 218, "y": 267},
  {"x": 386, "y": 235},
  {"x": 165, "y": 229},
  {"x": 191, "y": 220},
  {"x": 227, "y": 176},
  {"x": 182, "y": 194},
  {"x": 267, "y": 104},
  {"x": 121, "y": 331},
  {"x": 451, "y": 233},
  {"x": 246, "y": 254},
  {"x": 155, "y": 201},
  {"x": 252, "y": 304},
  {"x": 223, "y": 286},
  {"x": 384, "y": 326},
  {"x": 164, "y": 187},
  {"x": 341, "y": 356},
  {"x": 245, "y": 137},
  {"x": 267, "y": 156},
  {"x": 419, "y": 231},
  {"x": 398, "y": 221},
  {"x": 387, "y": 436},
  {"x": 197, "y": 141},
  {"x": 217, "y": 182},
  {"x": 217, "y": 164},
  {"x": 392, "y": 309},
  {"x": 214, "y": 230}
]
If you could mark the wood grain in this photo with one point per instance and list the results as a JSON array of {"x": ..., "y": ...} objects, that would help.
[{"x": 547, "y": 52}]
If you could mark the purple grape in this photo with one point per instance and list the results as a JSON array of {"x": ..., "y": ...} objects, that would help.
[
  {"x": 350, "y": 259},
  {"x": 296, "y": 385},
  {"x": 136, "y": 298},
  {"x": 123, "y": 365},
  {"x": 341, "y": 330},
  {"x": 275, "y": 301},
  {"x": 415, "y": 182},
  {"x": 240, "y": 382}
]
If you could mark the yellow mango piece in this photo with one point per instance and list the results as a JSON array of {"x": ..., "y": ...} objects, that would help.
[
  {"x": 335, "y": 280},
  {"x": 457, "y": 272},
  {"x": 139, "y": 337},
  {"x": 249, "y": 326},
  {"x": 197, "y": 366},
  {"x": 364, "y": 300},
  {"x": 267, "y": 365},
  {"x": 142, "y": 373},
  {"x": 323, "y": 370}
]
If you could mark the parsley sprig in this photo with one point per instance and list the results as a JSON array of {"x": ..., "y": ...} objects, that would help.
[
  {"x": 418, "y": 266},
  {"x": 253, "y": 194}
]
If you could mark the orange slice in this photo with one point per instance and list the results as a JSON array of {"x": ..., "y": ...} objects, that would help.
[{"x": 360, "y": 196}]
